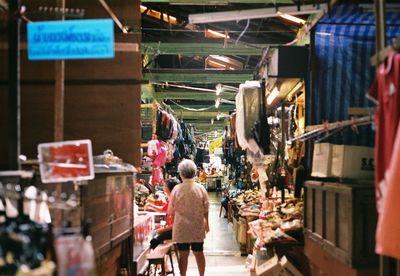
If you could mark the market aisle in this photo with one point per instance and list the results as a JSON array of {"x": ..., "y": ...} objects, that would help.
[
  {"x": 220, "y": 248},
  {"x": 221, "y": 238}
]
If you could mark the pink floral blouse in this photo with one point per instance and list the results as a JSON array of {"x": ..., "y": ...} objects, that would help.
[{"x": 188, "y": 205}]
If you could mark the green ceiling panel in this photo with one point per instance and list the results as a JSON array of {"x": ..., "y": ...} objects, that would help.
[
  {"x": 199, "y": 49},
  {"x": 192, "y": 95},
  {"x": 221, "y": 108},
  {"x": 199, "y": 2},
  {"x": 194, "y": 114},
  {"x": 218, "y": 2},
  {"x": 203, "y": 77}
]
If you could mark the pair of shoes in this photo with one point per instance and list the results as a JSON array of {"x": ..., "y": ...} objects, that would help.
[{"x": 225, "y": 216}]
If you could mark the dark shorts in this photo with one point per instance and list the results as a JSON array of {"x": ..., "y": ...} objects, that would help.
[{"x": 196, "y": 246}]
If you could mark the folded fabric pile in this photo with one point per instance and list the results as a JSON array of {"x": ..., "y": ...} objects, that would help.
[
  {"x": 249, "y": 197},
  {"x": 274, "y": 223},
  {"x": 140, "y": 199}
]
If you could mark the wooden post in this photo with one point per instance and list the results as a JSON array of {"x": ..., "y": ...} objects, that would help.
[
  {"x": 398, "y": 267},
  {"x": 59, "y": 92},
  {"x": 154, "y": 117},
  {"x": 59, "y": 100},
  {"x": 283, "y": 142},
  {"x": 14, "y": 89},
  {"x": 380, "y": 24}
]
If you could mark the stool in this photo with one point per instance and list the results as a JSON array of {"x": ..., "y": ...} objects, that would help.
[
  {"x": 157, "y": 257},
  {"x": 174, "y": 248}
]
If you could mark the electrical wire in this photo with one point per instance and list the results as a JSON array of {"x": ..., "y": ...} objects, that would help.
[
  {"x": 203, "y": 31},
  {"x": 192, "y": 109},
  {"x": 184, "y": 87},
  {"x": 242, "y": 33}
]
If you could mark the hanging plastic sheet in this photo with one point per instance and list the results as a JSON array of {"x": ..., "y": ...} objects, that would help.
[{"x": 344, "y": 43}]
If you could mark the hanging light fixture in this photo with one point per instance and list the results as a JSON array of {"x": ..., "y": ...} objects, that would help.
[
  {"x": 291, "y": 18},
  {"x": 215, "y": 34},
  {"x": 217, "y": 102},
  {"x": 218, "y": 89}
]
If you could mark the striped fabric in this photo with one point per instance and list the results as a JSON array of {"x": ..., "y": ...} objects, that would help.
[{"x": 344, "y": 43}]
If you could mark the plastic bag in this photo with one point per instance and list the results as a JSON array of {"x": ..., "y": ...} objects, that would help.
[{"x": 75, "y": 256}]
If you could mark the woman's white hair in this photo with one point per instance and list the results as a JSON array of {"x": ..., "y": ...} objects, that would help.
[{"x": 187, "y": 168}]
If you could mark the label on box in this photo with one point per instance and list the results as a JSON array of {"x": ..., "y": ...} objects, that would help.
[
  {"x": 66, "y": 161},
  {"x": 352, "y": 162},
  {"x": 322, "y": 158}
]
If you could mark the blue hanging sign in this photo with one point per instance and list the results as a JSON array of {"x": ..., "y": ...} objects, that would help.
[{"x": 71, "y": 39}]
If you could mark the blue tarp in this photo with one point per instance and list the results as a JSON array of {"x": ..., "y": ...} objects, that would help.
[{"x": 344, "y": 44}]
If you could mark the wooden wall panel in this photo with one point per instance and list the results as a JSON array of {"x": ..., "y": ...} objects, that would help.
[
  {"x": 3, "y": 107},
  {"x": 37, "y": 110},
  {"x": 3, "y": 62},
  {"x": 36, "y": 70},
  {"x": 107, "y": 113},
  {"x": 125, "y": 66},
  {"x": 3, "y": 126}
]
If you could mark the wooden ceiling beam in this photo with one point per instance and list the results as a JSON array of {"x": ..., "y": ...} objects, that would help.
[
  {"x": 192, "y": 95},
  {"x": 201, "y": 49},
  {"x": 191, "y": 115},
  {"x": 221, "y": 108},
  {"x": 198, "y": 76},
  {"x": 194, "y": 114},
  {"x": 218, "y": 2}
]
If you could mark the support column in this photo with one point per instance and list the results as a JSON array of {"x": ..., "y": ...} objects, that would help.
[
  {"x": 14, "y": 89},
  {"x": 59, "y": 90}
]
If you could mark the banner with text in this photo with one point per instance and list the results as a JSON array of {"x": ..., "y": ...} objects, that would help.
[{"x": 71, "y": 39}]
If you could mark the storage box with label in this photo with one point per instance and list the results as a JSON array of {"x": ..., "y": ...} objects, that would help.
[
  {"x": 322, "y": 160},
  {"x": 352, "y": 162}
]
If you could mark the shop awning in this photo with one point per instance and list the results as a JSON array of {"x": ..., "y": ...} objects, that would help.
[{"x": 344, "y": 43}]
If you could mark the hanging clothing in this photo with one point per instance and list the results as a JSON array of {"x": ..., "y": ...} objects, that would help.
[
  {"x": 157, "y": 149},
  {"x": 75, "y": 256},
  {"x": 385, "y": 91},
  {"x": 251, "y": 103},
  {"x": 164, "y": 125},
  {"x": 174, "y": 130},
  {"x": 232, "y": 121},
  {"x": 157, "y": 177},
  {"x": 388, "y": 228},
  {"x": 261, "y": 129}
]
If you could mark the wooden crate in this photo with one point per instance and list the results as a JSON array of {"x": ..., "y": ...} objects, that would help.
[
  {"x": 321, "y": 262},
  {"x": 342, "y": 218},
  {"x": 107, "y": 202}
]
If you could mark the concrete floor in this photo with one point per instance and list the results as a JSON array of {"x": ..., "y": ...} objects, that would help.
[{"x": 220, "y": 247}]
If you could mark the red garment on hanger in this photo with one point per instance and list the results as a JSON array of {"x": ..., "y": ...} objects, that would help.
[
  {"x": 385, "y": 91},
  {"x": 388, "y": 229}
]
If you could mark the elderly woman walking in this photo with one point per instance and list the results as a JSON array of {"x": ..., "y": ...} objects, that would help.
[{"x": 189, "y": 210}]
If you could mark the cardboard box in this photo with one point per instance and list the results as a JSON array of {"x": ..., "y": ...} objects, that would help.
[
  {"x": 352, "y": 162},
  {"x": 343, "y": 161},
  {"x": 287, "y": 268},
  {"x": 269, "y": 268},
  {"x": 277, "y": 267},
  {"x": 322, "y": 160}
]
